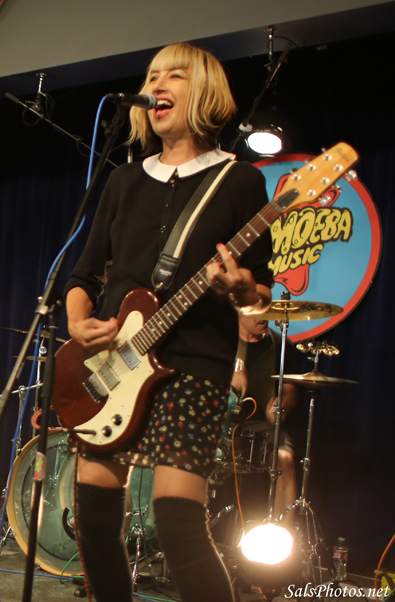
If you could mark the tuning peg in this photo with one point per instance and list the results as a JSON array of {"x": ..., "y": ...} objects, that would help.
[
  {"x": 324, "y": 200},
  {"x": 350, "y": 175}
]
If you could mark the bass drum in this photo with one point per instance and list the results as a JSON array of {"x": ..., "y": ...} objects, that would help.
[
  {"x": 55, "y": 548},
  {"x": 55, "y": 544}
]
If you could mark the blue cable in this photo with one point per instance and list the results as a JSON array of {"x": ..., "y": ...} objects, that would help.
[
  {"x": 35, "y": 574},
  {"x": 88, "y": 179},
  {"x": 13, "y": 451}
]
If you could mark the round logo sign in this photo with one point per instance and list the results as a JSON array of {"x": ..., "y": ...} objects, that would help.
[{"x": 324, "y": 251}]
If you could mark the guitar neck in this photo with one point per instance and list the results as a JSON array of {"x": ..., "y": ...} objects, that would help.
[{"x": 164, "y": 319}]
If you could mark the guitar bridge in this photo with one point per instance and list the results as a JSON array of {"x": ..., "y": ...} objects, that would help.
[
  {"x": 95, "y": 388},
  {"x": 129, "y": 355}
]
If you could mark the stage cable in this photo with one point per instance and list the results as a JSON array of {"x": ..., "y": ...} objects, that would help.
[{"x": 380, "y": 564}]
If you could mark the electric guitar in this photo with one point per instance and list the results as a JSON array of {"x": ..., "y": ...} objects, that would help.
[{"x": 106, "y": 395}]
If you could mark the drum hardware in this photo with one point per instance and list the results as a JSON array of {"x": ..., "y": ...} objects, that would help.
[
  {"x": 138, "y": 532},
  {"x": 314, "y": 382},
  {"x": 296, "y": 310},
  {"x": 21, "y": 392},
  {"x": 56, "y": 541},
  {"x": 45, "y": 334},
  {"x": 226, "y": 510},
  {"x": 282, "y": 312},
  {"x": 55, "y": 545}
]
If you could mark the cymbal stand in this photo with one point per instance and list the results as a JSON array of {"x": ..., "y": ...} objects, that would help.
[
  {"x": 314, "y": 540},
  {"x": 277, "y": 409},
  {"x": 42, "y": 351}
]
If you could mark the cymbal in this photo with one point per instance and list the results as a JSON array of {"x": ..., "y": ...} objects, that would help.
[
  {"x": 314, "y": 381},
  {"x": 44, "y": 333},
  {"x": 297, "y": 310}
]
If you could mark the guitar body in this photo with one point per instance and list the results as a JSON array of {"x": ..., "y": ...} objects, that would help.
[{"x": 120, "y": 401}]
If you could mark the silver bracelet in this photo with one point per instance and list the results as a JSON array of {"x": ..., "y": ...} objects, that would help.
[{"x": 247, "y": 308}]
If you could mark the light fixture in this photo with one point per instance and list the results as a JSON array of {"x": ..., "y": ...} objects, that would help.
[
  {"x": 269, "y": 544},
  {"x": 268, "y": 556},
  {"x": 264, "y": 141}
]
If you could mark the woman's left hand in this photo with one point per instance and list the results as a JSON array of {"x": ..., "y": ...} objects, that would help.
[{"x": 230, "y": 278}]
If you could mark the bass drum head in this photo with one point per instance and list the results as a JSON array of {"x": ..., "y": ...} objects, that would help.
[
  {"x": 55, "y": 548},
  {"x": 141, "y": 503}
]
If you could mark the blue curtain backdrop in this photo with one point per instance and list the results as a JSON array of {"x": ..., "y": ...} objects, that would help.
[{"x": 340, "y": 92}]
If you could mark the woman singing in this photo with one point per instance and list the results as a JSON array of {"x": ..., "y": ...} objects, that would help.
[{"x": 139, "y": 207}]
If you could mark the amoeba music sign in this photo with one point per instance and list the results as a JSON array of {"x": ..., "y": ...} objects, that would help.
[{"x": 327, "y": 253}]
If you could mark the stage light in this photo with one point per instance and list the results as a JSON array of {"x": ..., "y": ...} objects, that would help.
[
  {"x": 269, "y": 557},
  {"x": 267, "y": 544},
  {"x": 267, "y": 141}
]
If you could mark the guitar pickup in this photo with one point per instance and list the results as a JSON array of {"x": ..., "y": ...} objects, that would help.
[
  {"x": 129, "y": 355},
  {"x": 108, "y": 375},
  {"x": 95, "y": 388}
]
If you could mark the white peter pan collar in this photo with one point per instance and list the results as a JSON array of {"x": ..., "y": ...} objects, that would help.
[{"x": 159, "y": 171}]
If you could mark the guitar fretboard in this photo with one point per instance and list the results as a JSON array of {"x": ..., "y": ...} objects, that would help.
[{"x": 161, "y": 322}]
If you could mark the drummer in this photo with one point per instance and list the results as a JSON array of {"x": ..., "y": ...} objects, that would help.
[{"x": 259, "y": 358}]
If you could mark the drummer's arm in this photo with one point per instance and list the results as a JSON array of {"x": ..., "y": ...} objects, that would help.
[
  {"x": 240, "y": 379},
  {"x": 290, "y": 400}
]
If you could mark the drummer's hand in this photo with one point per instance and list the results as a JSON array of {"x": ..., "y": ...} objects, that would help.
[
  {"x": 230, "y": 278},
  {"x": 93, "y": 334}
]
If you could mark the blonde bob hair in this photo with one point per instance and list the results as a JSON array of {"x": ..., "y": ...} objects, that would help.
[{"x": 210, "y": 104}]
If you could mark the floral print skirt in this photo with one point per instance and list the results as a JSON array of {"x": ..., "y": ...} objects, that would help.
[{"x": 183, "y": 427}]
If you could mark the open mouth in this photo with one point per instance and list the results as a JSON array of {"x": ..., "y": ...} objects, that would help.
[{"x": 163, "y": 108}]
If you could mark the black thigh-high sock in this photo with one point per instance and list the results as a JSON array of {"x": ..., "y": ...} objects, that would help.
[
  {"x": 101, "y": 512},
  {"x": 185, "y": 540}
]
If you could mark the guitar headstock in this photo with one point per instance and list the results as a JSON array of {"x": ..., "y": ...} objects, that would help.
[{"x": 314, "y": 178}]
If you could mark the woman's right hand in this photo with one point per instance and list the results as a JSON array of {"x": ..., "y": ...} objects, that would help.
[{"x": 93, "y": 334}]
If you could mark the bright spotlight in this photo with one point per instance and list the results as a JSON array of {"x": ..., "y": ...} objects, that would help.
[
  {"x": 266, "y": 142},
  {"x": 267, "y": 544}
]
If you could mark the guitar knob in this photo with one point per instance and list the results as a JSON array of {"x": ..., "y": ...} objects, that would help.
[
  {"x": 106, "y": 431},
  {"x": 117, "y": 419}
]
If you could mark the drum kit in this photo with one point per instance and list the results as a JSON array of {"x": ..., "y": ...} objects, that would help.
[
  {"x": 247, "y": 454},
  {"x": 242, "y": 452}
]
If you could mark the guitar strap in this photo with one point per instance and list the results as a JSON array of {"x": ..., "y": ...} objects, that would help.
[{"x": 170, "y": 257}]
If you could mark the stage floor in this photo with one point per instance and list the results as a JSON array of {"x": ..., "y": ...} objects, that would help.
[{"x": 48, "y": 588}]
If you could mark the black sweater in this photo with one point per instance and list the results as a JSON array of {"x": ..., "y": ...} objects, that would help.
[{"x": 134, "y": 219}]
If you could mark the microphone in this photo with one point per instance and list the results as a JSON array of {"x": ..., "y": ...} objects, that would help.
[{"x": 143, "y": 101}]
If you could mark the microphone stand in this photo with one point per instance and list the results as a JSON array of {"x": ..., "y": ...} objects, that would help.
[
  {"x": 35, "y": 111},
  {"x": 50, "y": 304}
]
